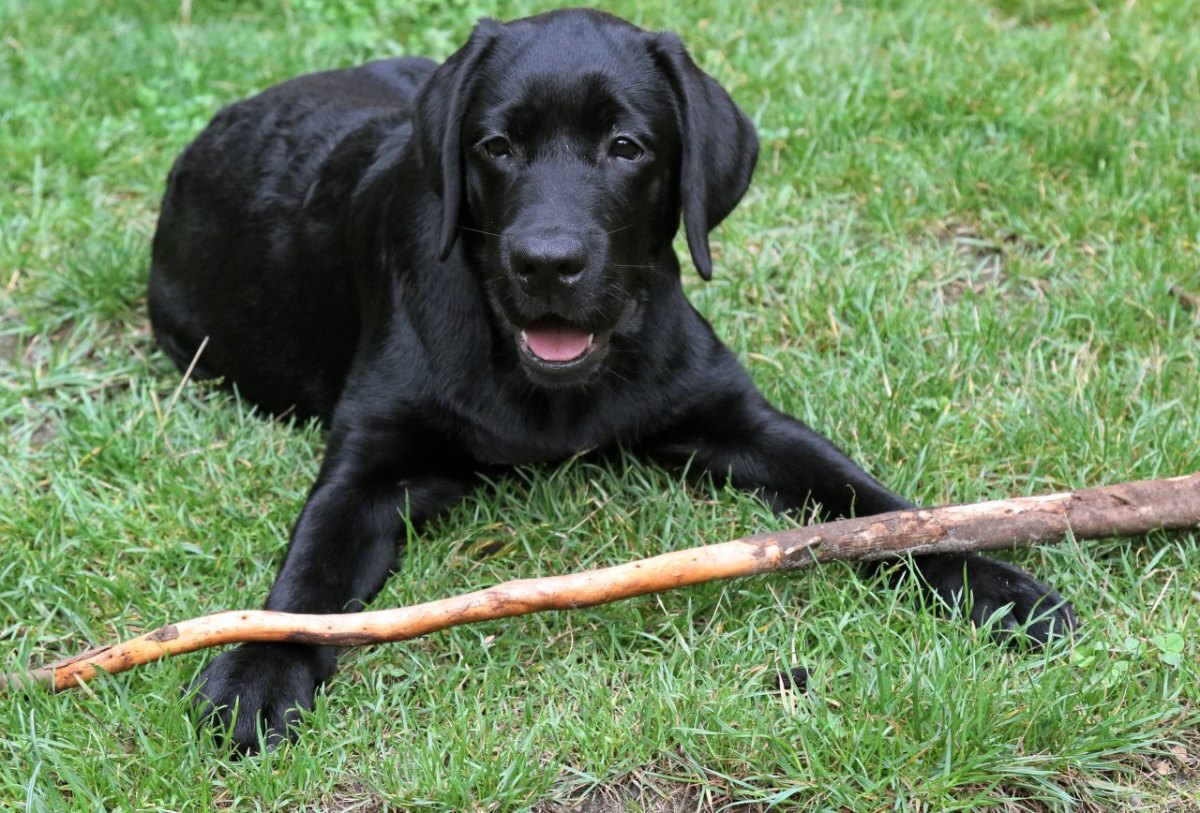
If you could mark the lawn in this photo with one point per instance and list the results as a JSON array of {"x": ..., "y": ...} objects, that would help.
[{"x": 971, "y": 255}]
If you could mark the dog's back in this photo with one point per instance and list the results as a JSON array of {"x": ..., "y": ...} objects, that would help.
[{"x": 265, "y": 277}]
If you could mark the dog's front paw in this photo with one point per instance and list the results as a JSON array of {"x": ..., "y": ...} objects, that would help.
[
  {"x": 256, "y": 692},
  {"x": 1035, "y": 613}
]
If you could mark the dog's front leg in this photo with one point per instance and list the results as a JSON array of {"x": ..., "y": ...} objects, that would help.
[
  {"x": 739, "y": 436},
  {"x": 736, "y": 434},
  {"x": 373, "y": 481}
]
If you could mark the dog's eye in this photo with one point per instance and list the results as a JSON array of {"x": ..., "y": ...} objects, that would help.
[
  {"x": 497, "y": 147},
  {"x": 625, "y": 147}
]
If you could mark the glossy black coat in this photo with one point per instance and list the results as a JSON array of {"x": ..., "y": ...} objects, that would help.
[{"x": 367, "y": 246}]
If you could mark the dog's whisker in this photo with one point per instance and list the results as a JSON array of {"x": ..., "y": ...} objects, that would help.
[{"x": 479, "y": 231}]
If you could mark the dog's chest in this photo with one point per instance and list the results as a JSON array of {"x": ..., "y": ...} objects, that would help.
[{"x": 510, "y": 434}]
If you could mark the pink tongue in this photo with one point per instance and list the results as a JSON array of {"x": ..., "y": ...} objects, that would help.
[{"x": 556, "y": 342}]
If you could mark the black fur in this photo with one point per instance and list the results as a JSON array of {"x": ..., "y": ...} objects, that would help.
[{"x": 367, "y": 246}]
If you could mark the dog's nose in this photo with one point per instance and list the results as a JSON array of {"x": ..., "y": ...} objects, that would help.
[{"x": 544, "y": 261}]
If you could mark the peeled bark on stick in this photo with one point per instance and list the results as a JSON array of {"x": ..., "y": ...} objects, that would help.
[{"x": 1127, "y": 509}]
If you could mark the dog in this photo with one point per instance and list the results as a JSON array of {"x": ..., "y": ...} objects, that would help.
[{"x": 466, "y": 267}]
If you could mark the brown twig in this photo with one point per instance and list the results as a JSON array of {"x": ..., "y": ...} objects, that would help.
[{"x": 1127, "y": 509}]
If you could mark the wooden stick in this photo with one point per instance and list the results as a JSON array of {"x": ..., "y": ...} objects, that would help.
[{"x": 1127, "y": 509}]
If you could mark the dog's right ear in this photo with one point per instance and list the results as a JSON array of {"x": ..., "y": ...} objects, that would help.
[{"x": 441, "y": 106}]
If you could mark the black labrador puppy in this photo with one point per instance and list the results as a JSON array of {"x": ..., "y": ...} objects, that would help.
[{"x": 470, "y": 265}]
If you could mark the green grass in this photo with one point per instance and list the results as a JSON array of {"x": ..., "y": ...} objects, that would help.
[{"x": 971, "y": 255}]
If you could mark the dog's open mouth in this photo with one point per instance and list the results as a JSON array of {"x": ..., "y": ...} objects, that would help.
[{"x": 555, "y": 345}]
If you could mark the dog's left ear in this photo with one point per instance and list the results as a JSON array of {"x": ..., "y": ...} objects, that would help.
[
  {"x": 441, "y": 105},
  {"x": 719, "y": 147}
]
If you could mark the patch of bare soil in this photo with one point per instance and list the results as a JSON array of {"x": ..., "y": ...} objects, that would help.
[
  {"x": 978, "y": 263},
  {"x": 641, "y": 792},
  {"x": 1165, "y": 783}
]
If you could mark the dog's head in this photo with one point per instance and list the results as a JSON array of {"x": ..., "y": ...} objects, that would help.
[{"x": 565, "y": 149}]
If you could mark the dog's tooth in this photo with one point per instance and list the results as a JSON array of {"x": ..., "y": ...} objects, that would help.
[{"x": 591, "y": 340}]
